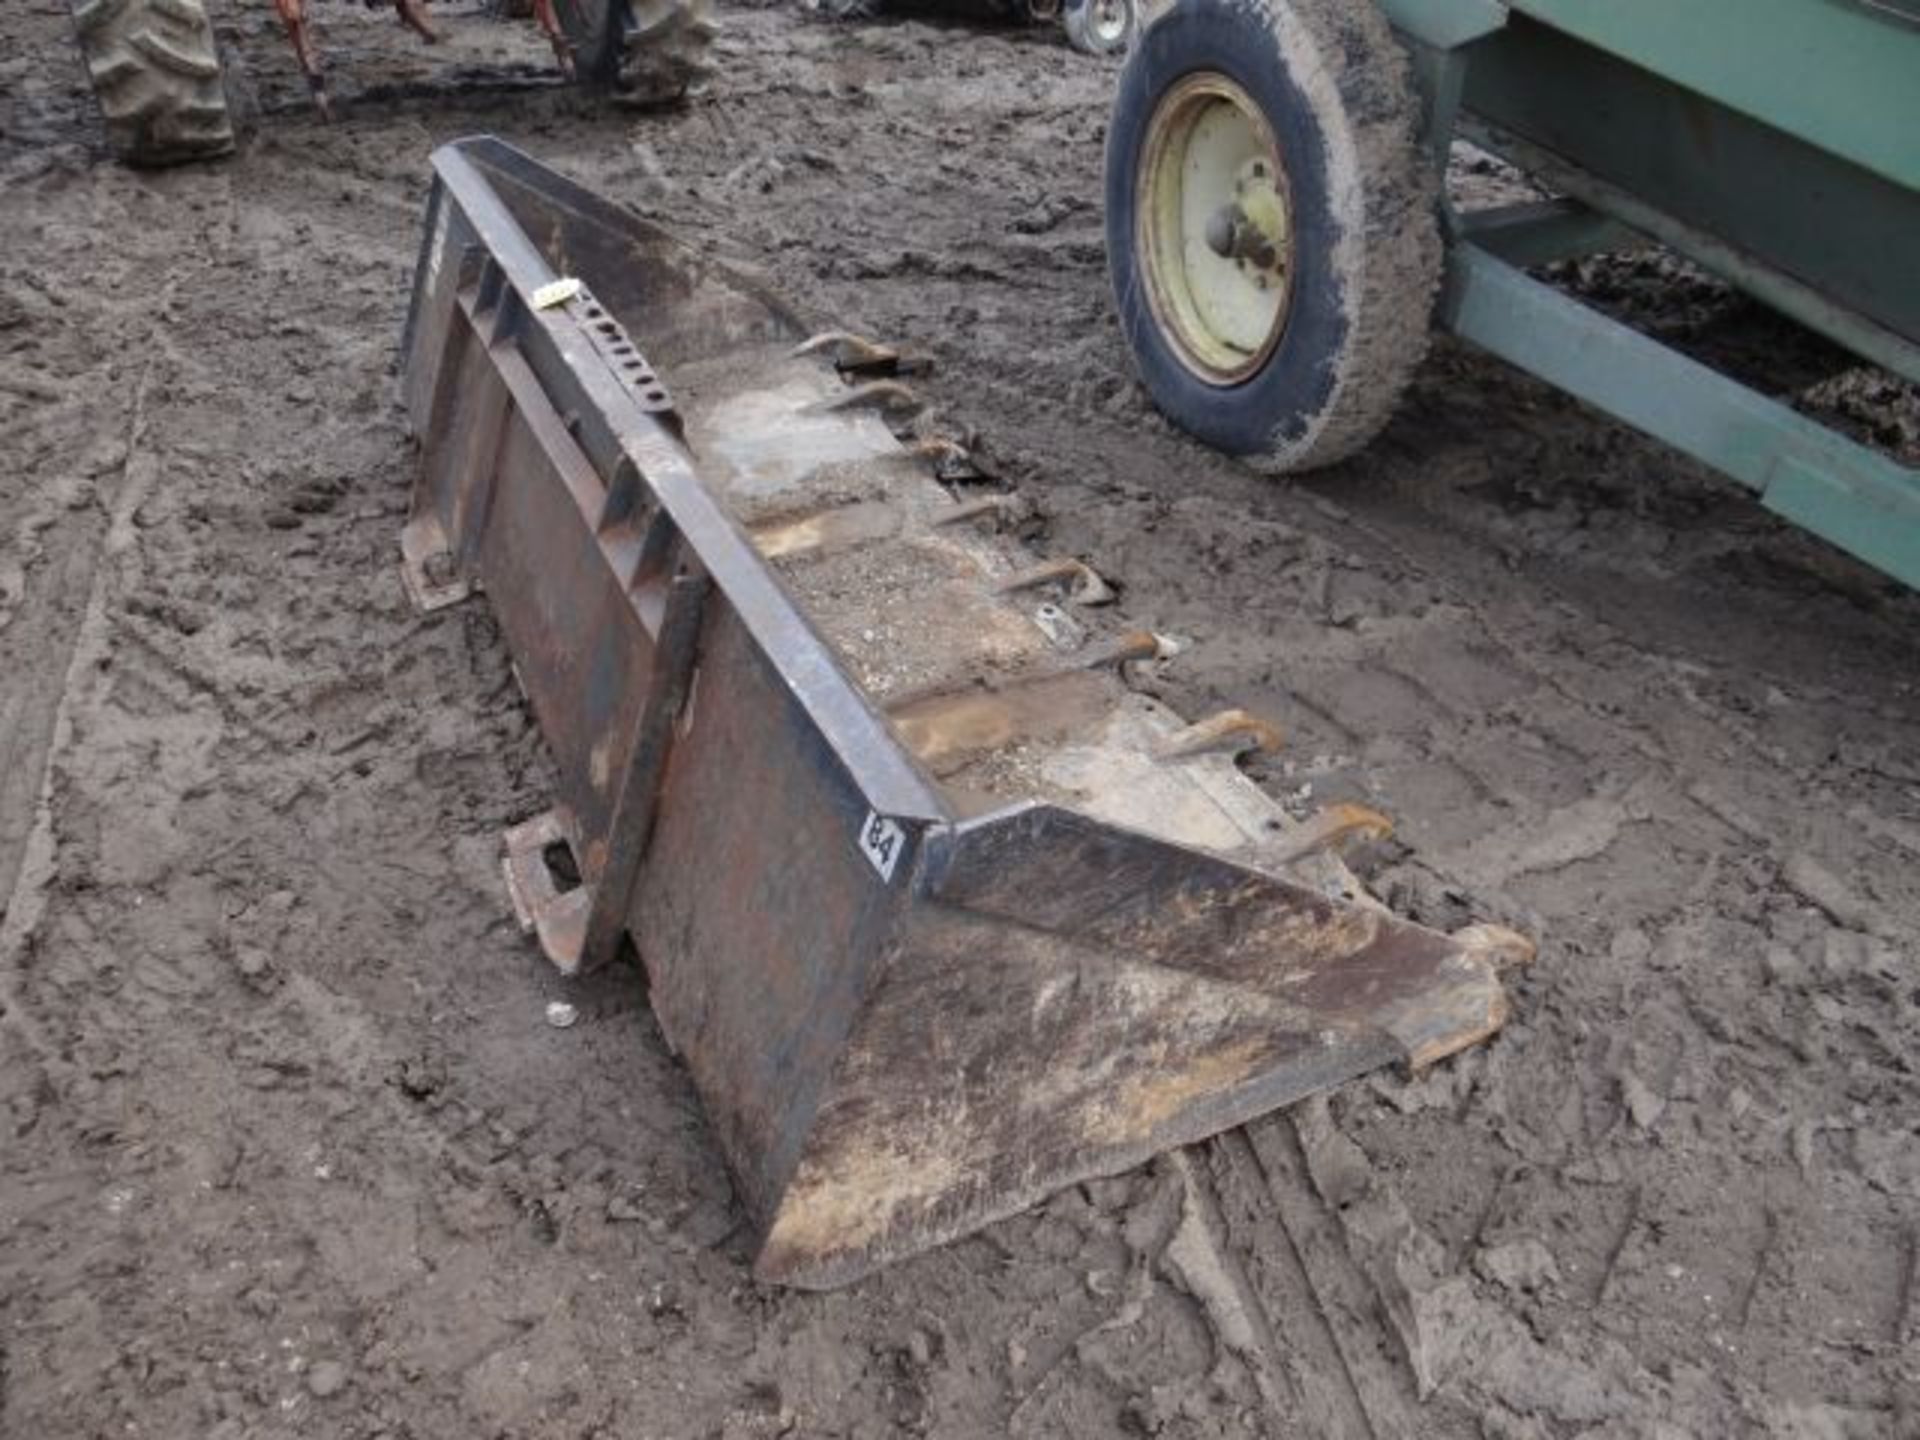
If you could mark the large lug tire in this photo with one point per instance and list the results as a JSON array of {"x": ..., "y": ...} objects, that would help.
[
  {"x": 645, "y": 52},
  {"x": 1272, "y": 224},
  {"x": 1100, "y": 27},
  {"x": 155, "y": 69}
]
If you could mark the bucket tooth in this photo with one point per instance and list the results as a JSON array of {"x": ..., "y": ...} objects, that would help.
[
  {"x": 1083, "y": 582},
  {"x": 952, "y": 461},
  {"x": 1328, "y": 829},
  {"x": 889, "y": 397},
  {"x": 1232, "y": 732},
  {"x": 848, "y": 351},
  {"x": 1001, "y": 509},
  {"x": 857, "y": 355},
  {"x": 1125, "y": 649},
  {"x": 930, "y": 918}
]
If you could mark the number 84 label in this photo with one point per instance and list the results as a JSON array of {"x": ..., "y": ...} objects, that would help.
[{"x": 881, "y": 841}]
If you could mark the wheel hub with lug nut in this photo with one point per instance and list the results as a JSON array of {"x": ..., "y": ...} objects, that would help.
[{"x": 1251, "y": 229}]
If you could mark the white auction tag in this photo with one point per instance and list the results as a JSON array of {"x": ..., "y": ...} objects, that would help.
[{"x": 881, "y": 841}]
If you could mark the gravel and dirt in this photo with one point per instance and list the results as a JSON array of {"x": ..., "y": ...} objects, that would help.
[{"x": 287, "y": 1145}]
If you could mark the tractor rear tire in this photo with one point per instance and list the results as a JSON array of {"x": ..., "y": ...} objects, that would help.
[
  {"x": 155, "y": 70},
  {"x": 1300, "y": 361},
  {"x": 643, "y": 52}
]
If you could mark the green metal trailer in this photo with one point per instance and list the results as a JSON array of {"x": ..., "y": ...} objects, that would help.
[{"x": 1279, "y": 235}]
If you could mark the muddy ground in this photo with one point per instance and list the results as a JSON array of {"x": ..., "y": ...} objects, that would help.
[{"x": 286, "y": 1147}]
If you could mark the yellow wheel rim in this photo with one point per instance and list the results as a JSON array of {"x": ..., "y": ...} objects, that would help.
[{"x": 1215, "y": 234}]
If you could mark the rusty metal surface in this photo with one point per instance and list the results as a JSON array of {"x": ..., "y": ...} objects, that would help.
[{"x": 940, "y": 912}]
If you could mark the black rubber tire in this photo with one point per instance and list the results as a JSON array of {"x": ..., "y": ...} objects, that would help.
[
  {"x": 1335, "y": 87},
  {"x": 155, "y": 70},
  {"x": 644, "y": 52},
  {"x": 1085, "y": 36}
]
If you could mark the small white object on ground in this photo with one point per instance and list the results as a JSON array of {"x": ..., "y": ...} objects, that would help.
[{"x": 560, "y": 1014}]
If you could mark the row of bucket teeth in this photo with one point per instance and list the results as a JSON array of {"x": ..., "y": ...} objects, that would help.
[{"x": 1004, "y": 713}]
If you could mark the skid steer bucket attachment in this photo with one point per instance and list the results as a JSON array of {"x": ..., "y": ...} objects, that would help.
[{"x": 940, "y": 913}]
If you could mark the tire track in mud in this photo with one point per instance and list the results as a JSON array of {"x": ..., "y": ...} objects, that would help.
[
  {"x": 64, "y": 631},
  {"x": 61, "y": 631}
]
